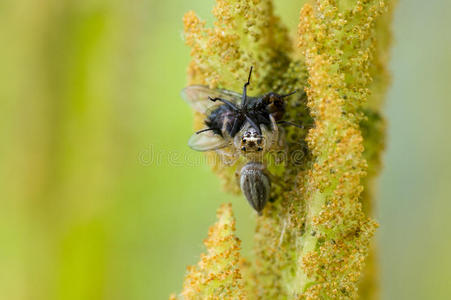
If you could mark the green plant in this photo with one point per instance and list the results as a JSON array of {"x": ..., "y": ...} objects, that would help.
[{"x": 312, "y": 242}]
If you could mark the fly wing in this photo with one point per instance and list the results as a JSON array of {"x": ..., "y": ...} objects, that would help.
[
  {"x": 197, "y": 97},
  {"x": 206, "y": 141}
]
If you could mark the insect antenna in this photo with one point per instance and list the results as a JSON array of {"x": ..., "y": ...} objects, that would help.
[{"x": 244, "y": 100}]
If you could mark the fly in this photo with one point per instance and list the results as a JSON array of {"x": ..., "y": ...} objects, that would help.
[{"x": 240, "y": 125}]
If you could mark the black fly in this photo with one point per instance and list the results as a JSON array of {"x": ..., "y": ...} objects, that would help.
[{"x": 239, "y": 125}]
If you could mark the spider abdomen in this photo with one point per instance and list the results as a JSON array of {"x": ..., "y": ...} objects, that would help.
[{"x": 255, "y": 185}]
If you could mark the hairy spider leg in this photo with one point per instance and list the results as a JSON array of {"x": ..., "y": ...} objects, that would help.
[
  {"x": 227, "y": 157},
  {"x": 244, "y": 100},
  {"x": 290, "y": 123},
  {"x": 275, "y": 129},
  {"x": 236, "y": 126},
  {"x": 225, "y": 134}
]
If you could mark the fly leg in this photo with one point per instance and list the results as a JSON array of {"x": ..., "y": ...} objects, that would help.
[
  {"x": 244, "y": 100},
  {"x": 226, "y": 102}
]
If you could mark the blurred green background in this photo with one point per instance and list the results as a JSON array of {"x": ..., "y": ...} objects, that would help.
[{"x": 102, "y": 199}]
